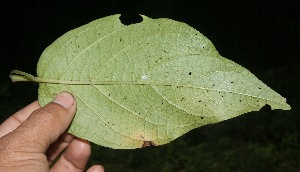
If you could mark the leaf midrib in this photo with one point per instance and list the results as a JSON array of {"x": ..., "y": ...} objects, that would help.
[{"x": 152, "y": 84}]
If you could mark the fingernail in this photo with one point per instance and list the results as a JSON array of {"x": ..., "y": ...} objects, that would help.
[{"x": 65, "y": 99}]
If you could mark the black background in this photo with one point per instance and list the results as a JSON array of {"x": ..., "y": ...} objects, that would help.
[{"x": 261, "y": 35}]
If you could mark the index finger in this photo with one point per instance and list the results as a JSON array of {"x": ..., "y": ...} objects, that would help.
[{"x": 18, "y": 118}]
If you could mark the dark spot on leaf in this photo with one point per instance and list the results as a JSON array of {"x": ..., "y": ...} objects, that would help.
[
  {"x": 259, "y": 88},
  {"x": 199, "y": 101},
  {"x": 240, "y": 100},
  {"x": 231, "y": 82},
  {"x": 190, "y": 73},
  {"x": 120, "y": 39},
  {"x": 202, "y": 117},
  {"x": 214, "y": 85}
]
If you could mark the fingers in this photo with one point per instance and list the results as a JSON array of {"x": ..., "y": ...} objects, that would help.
[
  {"x": 44, "y": 125},
  {"x": 96, "y": 168},
  {"x": 58, "y": 146},
  {"x": 75, "y": 157},
  {"x": 16, "y": 119}
]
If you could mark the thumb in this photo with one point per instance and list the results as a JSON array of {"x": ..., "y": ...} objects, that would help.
[{"x": 45, "y": 125}]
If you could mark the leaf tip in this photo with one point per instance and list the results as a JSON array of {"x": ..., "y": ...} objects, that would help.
[{"x": 287, "y": 107}]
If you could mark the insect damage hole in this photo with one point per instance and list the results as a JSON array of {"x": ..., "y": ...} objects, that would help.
[{"x": 130, "y": 18}]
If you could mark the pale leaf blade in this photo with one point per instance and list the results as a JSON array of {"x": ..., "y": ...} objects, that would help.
[{"x": 150, "y": 81}]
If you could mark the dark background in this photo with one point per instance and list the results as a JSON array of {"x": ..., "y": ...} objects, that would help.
[{"x": 260, "y": 35}]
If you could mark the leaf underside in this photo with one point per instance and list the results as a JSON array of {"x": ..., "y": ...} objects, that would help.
[{"x": 149, "y": 82}]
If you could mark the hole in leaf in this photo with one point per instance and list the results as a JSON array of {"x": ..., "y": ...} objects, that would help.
[{"x": 130, "y": 18}]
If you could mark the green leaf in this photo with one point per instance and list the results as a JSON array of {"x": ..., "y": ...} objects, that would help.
[{"x": 146, "y": 83}]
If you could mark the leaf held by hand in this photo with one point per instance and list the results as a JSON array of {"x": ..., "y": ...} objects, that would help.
[{"x": 149, "y": 82}]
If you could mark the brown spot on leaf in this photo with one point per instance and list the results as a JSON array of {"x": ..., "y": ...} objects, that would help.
[
  {"x": 149, "y": 143},
  {"x": 146, "y": 143}
]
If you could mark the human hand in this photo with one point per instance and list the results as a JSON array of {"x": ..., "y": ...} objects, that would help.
[{"x": 32, "y": 138}]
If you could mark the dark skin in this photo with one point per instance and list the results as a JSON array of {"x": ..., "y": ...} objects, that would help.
[{"x": 33, "y": 137}]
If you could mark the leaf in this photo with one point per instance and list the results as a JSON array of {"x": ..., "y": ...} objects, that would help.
[{"x": 146, "y": 83}]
